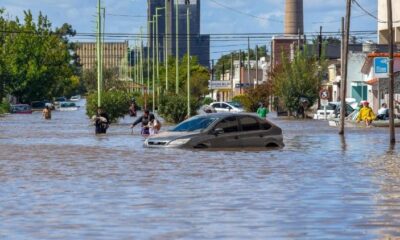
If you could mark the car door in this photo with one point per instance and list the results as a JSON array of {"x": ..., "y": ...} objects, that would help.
[
  {"x": 229, "y": 137},
  {"x": 217, "y": 107},
  {"x": 251, "y": 134}
]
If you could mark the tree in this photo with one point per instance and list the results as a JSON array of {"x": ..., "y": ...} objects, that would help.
[
  {"x": 254, "y": 96},
  {"x": 198, "y": 80},
  {"x": 297, "y": 79},
  {"x": 38, "y": 63}
]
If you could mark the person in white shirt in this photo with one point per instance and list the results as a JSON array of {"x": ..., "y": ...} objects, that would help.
[{"x": 383, "y": 112}]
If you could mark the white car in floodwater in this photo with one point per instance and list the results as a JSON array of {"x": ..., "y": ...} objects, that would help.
[{"x": 67, "y": 106}]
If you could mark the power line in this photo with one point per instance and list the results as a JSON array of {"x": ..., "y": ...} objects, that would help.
[
  {"x": 244, "y": 13},
  {"x": 370, "y": 14}
]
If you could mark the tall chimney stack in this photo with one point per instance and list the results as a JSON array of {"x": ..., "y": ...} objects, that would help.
[{"x": 294, "y": 17}]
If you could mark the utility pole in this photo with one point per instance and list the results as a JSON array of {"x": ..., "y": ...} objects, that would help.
[
  {"x": 256, "y": 66},
  {"x": 343, "y": 84},
  {"x": 148, "y": 53},
  {"x": 129, "y": 67},
  {"x": 188, "y": 59},
  {"x": 212, "y": 70},
  {"x": 248, "y": 61},
  {"x": 231, "y": 76},
  {"x": 103, "y": 23},
  {"x": 153, "y": 69},
  {"x": 141, "y": 61},
  {"x": 391, "y": 73},
  {"x": 240, "y": 71},
  {"x": 166, "y": 36},
  {"x": 320, "y": 43},
  {"x": 176, "y": 47}
]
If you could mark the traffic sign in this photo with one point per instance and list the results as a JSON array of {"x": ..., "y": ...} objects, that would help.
[
  {"x": 324, "y": 94},
  {"x": 381, "y": 67}
]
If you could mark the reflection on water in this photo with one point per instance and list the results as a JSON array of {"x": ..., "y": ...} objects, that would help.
[{"x": 60, "y": 181}]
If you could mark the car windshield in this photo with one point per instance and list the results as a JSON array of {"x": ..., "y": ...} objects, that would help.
[
  {"x": 194, "y": 124},
  {"x": 236, "y": 104}
]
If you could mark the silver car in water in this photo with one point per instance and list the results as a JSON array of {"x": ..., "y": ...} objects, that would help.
[{"x": 220, "y": 130}]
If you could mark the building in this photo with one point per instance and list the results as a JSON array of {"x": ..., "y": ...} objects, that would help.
[
  {"x": 229, "y": 85},
  {"x": 199, "y": 43},
  {"x": 378, "y": 88},
  {"x": 293, "y": 32},
  {"x": 115, "y": 54},
  {"x": 383, "y": 32}
]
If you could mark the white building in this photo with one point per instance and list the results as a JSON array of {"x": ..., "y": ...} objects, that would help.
[
  {"x": 237, "y": 83},
  {"x": 382, "y": 24}
]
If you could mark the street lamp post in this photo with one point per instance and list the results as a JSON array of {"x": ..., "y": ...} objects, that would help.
[
  {"x": 188, "y": 59},
  {"x": 148, "y": 53},
  {"x": 176, "y": 47},
  {"x": 153, "y": 58},
  {"x": 158, "y": 54},
  {"x": 98, "y": 50},
  {"x": 166, "y": 36}
]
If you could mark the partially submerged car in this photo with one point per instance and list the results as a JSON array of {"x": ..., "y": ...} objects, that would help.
[
  {"x": 220, "y": 130},
  {"x": 21, "y": 109},
  {"x": 67, "y": 106}
]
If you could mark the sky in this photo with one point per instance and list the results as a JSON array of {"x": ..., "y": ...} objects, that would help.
[{"x": 217, "y": 16}]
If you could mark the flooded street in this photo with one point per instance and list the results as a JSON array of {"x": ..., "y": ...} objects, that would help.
[{"x": 60, "y": 181}]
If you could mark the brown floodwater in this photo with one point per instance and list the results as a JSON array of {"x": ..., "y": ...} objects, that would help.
[{"x": 60, "y": 181}]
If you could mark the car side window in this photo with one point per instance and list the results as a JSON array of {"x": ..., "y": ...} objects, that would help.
[
  {"x": 229, "y": 124},
  {"x": 224, "y": 105},
  {"x": 215, "y": 105},
  {"x": 249, "y": 124},
  {"x": 265, "y": 125}
]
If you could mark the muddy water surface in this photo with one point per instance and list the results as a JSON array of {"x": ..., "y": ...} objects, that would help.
[{"x": 60, "y": 181}]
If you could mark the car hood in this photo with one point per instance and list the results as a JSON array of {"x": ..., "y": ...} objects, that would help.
[{"x": 169, "y": 136}]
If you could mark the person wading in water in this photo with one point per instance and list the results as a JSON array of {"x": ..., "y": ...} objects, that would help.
[{"x": 101, "y": 121}]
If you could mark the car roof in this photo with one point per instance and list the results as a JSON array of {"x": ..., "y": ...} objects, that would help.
[{"x": 227, "y": 114}]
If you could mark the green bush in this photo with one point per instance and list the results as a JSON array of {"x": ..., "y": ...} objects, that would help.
[
  {"x": 4, "y": 107},
  {"x": 140, "y": 100},
  {"x": 115, "y": 103},
  {"x": 173, "y": 108},
  {"x": 244, "y": 100},
  {"x": 254, "y": 96},
  {"x": 207, "y": 101}
]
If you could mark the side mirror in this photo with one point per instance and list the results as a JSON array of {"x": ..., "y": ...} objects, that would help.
[{"x": 218, "y": 131}]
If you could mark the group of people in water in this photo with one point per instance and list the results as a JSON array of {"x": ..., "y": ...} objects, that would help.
[
  {"x": 367, "y": 115},
  {"x": 149, "y": 124}
]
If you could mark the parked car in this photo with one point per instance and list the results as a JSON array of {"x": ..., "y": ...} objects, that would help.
[
  {"x": 59, "y": 100},
  {"x": 227, "y": 107},
  {"x": 21, "y": 109},
  {"x": 67, "y": 106},
  {"x": 332, "y": 111},
  {"x": 75, "y": 98},
  {"x": 220, "y": 130},
  {"x": 40, "y": 105}
]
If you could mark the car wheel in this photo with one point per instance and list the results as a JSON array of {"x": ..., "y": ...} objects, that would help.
[{"x": 271, "y": 145}]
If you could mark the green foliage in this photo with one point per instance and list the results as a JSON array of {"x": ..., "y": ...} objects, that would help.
[
  {"x": 297, "y": 79},
  {"x": 173, "y": 108},
  {"x": 36, "y": 62},
  {"x": 110, "y": 80},
  {"x": 244, "y": 100},
  {"x": 207, "y": 101},
  {"x": 198, "y": 79},
  {"x": 4, "y": 107},
  {"x": 253, "y": 96},
  {"x": 115, "y": 103}
]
